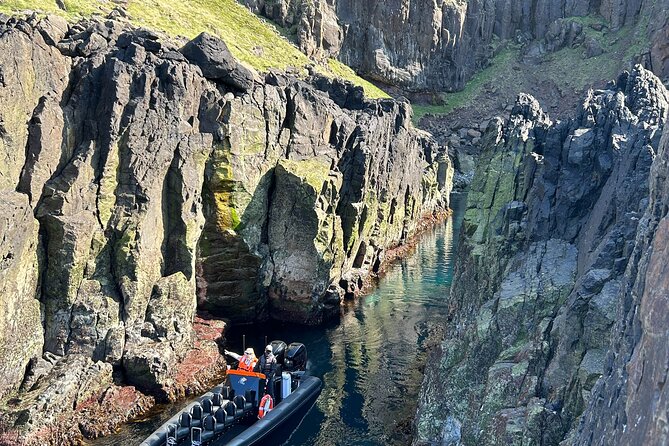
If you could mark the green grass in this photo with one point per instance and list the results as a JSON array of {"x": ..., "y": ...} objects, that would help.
[
  {"x": 74, "y": 9},
  {"x": 252, "y": 40},
  {"x": 567, "y": 68},
  {"x": 343, "y": 71},
  {"x": 588, "y": 20}
]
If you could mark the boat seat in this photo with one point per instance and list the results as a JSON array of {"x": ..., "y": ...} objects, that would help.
[
  {"x": 207, "y": 436},
  {"x": 209, "y": 423},
  {"x": 229, "y": 409},
  {"x": 226, "y": 393},
  {"x": 217, "y": 399},
  {"x": 233, "y": 410},
  {"x": 198, "y": 414},
  {"x": 242, "y": 405},
  {"x": 185, "y": 422},
  {"x": 222, "y": 419},
  {"x": 172, "y": 433},
  {"x": 250, "y": 396},
  {"x": 207, "y": 405},
  {"x": 196, "y": 435}
]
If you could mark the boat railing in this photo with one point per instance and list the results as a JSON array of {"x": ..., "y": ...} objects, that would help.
[
  {"x": 172, "y": 435},
  {"x": 196, "y": 436}
]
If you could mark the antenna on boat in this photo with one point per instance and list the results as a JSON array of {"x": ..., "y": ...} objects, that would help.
[
  {"x": 244, "y": 342},
  {"x": 265, "y": 340}
]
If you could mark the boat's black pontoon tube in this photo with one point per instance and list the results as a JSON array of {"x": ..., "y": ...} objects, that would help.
[{"x": 260, "y": 431}]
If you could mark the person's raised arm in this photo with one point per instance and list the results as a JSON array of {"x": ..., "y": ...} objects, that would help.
[{"x": 233, "y": 355}]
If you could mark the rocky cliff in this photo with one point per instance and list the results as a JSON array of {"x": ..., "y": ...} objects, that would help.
[
  {"x": 144, "y": 180},
  {"x": 557, "y": 329},
  {"x": 438, "y": 45}
]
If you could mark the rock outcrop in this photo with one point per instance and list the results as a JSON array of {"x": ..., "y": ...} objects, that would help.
[
  {"x": 145, "y": 180},
  {"x": 307, "y": 188},
  {"x": 629, "y": 403},
  {"x": 563, "y": 230},
  {"x": 439, "y": 45}
]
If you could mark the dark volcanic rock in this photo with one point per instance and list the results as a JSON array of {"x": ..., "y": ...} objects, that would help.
[
  {"x": 556, "y": 249},
  {"x": 360, "y": 178},
  {"x": 139, "y": 185},
  {"x": 150, "y": 361},
  {"x": 439, "y": 45},
  {"x": 20, "y": 335},
  {"x": 67, "y": 401},
  {"x": 211, "y": 54},
  {"x": 629, "y": 401},
  {"x": 593, "y": 48},
  {"x": 20, "y": 313}
]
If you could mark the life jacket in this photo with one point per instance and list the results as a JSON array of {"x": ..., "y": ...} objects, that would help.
[
  {"x": 266, "y": 406},
  {"x": 247, "y": 363}
]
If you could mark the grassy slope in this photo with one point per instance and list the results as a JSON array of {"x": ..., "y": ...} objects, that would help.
[
  {"x": 567, "y": 69},
  {"x": 251, "y": 39}
]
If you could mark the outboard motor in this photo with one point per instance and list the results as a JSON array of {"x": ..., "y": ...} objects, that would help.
[
  {"x": 279, "y": 351},
  {"x": 296, "y": 358}
]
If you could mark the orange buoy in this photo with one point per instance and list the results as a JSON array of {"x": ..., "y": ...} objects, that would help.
[{"x": 266, "y": 405}]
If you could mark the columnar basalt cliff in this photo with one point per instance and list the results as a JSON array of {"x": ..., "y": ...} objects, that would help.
[
  {"x": 142, "y": 180},
  {"x": 558, "y": 299},
  {"x": 439, "y": 45}
]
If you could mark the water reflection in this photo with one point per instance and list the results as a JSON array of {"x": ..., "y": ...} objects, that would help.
[{"x": 369, "y": 361}]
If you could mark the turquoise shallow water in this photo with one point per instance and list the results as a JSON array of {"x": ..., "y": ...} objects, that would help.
[{"x": 370, "y": 359}]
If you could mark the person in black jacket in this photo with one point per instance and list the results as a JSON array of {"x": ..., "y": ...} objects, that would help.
[{"x": 267, "y": 366}]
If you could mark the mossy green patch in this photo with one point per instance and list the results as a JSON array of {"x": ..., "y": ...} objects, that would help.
[
  {"x": 589, "y": 20},
  {"x": 253, "y": 40},
  {"x": 223, "y": 186},
  {"x": 314, "y": 172},
  {"x": 74, "y": 9}
]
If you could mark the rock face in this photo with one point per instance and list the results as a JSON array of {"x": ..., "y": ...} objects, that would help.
[
  {"x": 307, "y": 188},
  {"x": 557, "y": 303},
  {"x": 439, "y": 45},
  {"x": 629, "y": 400},
  {"x": 143, "y": 180}
]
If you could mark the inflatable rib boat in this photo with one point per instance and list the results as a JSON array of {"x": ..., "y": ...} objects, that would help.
[{"x": 228, "y": 414}]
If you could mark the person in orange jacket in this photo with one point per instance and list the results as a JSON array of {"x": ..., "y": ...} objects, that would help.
[{"x": 247, "y": 361}]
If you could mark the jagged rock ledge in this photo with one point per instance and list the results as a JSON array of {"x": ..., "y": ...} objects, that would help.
[
  {"x": 144, "y": 181},
  {"x": 558, "y": 327}
]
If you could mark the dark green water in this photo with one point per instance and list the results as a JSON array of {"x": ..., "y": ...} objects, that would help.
[{"x": 370, "y": 359}]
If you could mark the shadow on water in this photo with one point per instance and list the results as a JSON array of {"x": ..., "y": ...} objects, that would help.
[{"x": 370, "y": 360}]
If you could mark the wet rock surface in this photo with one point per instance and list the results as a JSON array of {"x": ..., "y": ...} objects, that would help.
[
  {"x": 144, "y": 180},
  {"x": 552, "y": 331}
]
